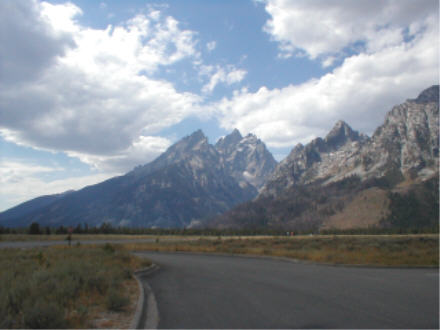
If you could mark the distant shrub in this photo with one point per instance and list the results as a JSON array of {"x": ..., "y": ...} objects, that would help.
[{"x": 109, "y": 248}]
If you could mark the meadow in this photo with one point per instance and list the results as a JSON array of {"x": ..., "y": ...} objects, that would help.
[
  {"x": 62, "y": 237},
  {"x": 375, "y": 250},
  {"x": 62, "y": 287}
]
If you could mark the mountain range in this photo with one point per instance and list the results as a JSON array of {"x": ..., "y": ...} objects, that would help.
[
  {"x": 190, "y": 181},
  {"x": 349, "y": 180},
  {"x": 344, "y": 180}
]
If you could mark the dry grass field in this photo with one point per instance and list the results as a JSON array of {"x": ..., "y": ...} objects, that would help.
[
  {"x": 61, "y": 237},
  {"x": 383, "y": 250},
  {"x": 377, "y": 250}
]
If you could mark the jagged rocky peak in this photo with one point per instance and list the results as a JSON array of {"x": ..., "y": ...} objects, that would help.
[
  {"x": 253, "y": 140},
  {"x": 246, "y": 158},
  {"x": 197, "y": 142},
  {"x": 341, "y": 129},
  {"x": 428, "y": 95},
  {"x": 196, "y": 148},
  {"x": 229, "y": 142},
  {"x": 194, "y": 145},
  {"x": 235, "y": 135},
  {"x": 193, "y": 141},
  {"x": 298, "y": 147},
  {"x": 340, "y": 134},
  {"x": 251, "y": 137}
]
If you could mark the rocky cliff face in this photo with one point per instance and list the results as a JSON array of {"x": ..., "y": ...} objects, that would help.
[
  {"x": 319, "y": 160},
  {"x": 246, "y": 158},
  {"x": 408, "y": 141},
  {"x": 404, "y": 147}
]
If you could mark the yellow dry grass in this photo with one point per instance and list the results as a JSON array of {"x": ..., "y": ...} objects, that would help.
[
  {"x": 58, "y": 237},
  {"x": 380, "y": 250}
]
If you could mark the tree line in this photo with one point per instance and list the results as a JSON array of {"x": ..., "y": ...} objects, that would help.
[{"x": 107, "y": 228}]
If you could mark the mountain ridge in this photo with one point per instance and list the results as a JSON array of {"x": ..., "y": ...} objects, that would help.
[
  {"x": 406, "y": 142},
  {"x": 321, "y": 184},
  {"x": 186, "y": 183},
  {"x": 327, "y": 181}
]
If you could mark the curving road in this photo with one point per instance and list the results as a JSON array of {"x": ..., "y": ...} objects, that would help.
[{"x": 208, "y": 291}]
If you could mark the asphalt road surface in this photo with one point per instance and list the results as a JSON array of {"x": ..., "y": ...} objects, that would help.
[{"x": 207, "y": 291}]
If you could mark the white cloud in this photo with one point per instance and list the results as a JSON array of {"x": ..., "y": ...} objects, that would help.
[
  {"x": 228, "y": 75},
  {"x": 12, "y": 170},
  {"x": 61, "y": 18},
  {"x": 28, "y": 45},
  {"x": 143, "y": 150},
  {"x": 320, "y": 28},
  {"x": 87, "y": 91},
  {"x": 235, "y": 76},
  {"x": 21, "y": 181},
  {"x": 360, "y": 91},
  {"x": 210, "y": 46},
  {"x": 328, "y": 61}
]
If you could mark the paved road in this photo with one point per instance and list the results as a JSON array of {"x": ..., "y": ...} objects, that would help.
[{"x": 206, "y": 291}]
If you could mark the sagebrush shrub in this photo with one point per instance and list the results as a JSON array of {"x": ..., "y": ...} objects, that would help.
[
  {"x": 45, "y": 288},
  {"x": 44, "y": 315},
  {"x": 116, "y": 301}
]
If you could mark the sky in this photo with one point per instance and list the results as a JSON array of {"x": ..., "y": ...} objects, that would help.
[{"x": 90, "y": 89}]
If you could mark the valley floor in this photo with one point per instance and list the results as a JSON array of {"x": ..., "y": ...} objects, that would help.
[
  {"x": 375, "y": 250},
  {"x": 411, "y": 250},
  {"x": 61, "y": 237}
]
